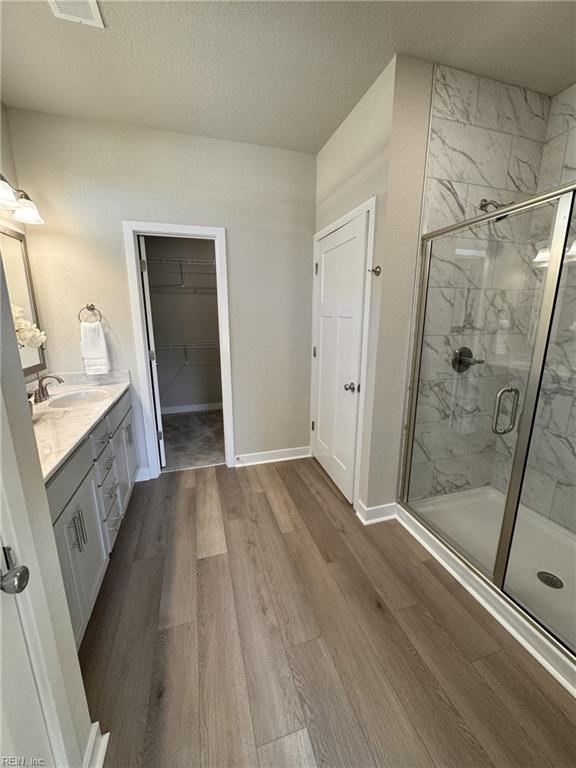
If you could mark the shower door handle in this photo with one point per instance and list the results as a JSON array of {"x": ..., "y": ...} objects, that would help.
[{"x": 496, "y": 413}]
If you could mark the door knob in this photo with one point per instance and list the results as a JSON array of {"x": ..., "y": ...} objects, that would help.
[
  {"x": 350, "y": 387},
  {"x": 15, "y": 580}
]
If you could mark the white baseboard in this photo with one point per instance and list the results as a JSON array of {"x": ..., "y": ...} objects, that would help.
[
  {"x": 195, "y": 408},
  {"x": 532, "y": 638},
  {"x": 285, "y": 454},
  {"x": 95, "y": 748},
  {"x": 371, "y": 515},
  {"x": 142, "y": 473}
]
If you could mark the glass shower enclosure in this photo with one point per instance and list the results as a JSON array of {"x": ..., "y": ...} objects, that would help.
[{"x": 490, "y": 454}]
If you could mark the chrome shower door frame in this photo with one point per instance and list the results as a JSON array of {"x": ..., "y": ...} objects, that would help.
[{"x": 566, "y": 197}]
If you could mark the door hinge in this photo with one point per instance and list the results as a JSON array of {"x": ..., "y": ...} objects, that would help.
[
  {"x": 316, "y": 268},
  {"x": 313, "y": 351},
  {"x": 313, "y": 425},
  {"x": 160, "y": 434},
  {"x": 151, "y": 355},
  {"x": 143, "y": 265}
]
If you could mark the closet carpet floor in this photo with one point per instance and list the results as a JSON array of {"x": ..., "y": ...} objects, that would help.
[
  {"x": 193, "y": 439},
  {"x": 247, "y": 618}
]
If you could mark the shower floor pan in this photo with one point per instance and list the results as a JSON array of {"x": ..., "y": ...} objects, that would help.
[{"x": 470, "y": 521}]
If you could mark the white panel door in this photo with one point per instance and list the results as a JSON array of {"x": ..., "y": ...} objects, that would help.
[
  {"x": 340, "y": 266},
  {"x": 23, "y": 734},
  {"x": 152, "y": 351}
]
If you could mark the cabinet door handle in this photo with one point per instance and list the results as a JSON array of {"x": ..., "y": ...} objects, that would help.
[
  {"x": 82, "y": 526},
  {"x": 130, "y": 438},
  {"x": 74, "y": 524},
  {"x": 104, "y": 440}
]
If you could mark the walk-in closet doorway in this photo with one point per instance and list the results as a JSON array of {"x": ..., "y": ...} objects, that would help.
[{"x": 181, "y": 308}]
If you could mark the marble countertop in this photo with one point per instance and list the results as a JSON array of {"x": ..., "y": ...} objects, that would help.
[{"x": 59, "y": 431}]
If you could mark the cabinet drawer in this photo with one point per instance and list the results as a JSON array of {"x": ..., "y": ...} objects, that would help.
[
  {"x": 104, "y": 463},
  {"x": 113, "y": 523},
  {"x": 118, "y": 411},
  {"x": 108, "y": 492},
  {"x": 62, "y": 486},
  {"x": 99, "y": 437}
]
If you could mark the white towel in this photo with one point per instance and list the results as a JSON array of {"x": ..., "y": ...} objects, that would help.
[{"x": 94, "y": 349}]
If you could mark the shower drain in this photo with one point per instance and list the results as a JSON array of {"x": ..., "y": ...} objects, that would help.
[{"x": 550, "y": 579}]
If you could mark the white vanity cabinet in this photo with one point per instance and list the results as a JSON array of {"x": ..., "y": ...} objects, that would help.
[
  {"x": 83, "y": 556},
  {"x": 88, "y": 497}
]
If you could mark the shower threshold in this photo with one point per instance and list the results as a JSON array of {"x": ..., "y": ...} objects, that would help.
[{"x": 470, "y": 521}]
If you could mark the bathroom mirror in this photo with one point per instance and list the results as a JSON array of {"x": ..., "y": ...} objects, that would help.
[{"x": 21, "y": 291}]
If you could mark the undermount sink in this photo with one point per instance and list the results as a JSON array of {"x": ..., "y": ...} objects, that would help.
[{"x": 79, "y": 398}]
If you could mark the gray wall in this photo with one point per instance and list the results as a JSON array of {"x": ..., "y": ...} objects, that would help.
[
  {"x": 380, "y": 149},
  {"x": 87, "y": 177},
  {"x": 186, "y": 377}
]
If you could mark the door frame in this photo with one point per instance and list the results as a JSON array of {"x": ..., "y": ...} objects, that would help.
[
  {"x": 368, "y": 207},
  {"x": 143, "y": 385}
]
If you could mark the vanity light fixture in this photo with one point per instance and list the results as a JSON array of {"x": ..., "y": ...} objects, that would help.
[
  {"x": 12, "y": 199},
  {"x": 8, "y": 199},
  {"x": 27, "y": 212}
]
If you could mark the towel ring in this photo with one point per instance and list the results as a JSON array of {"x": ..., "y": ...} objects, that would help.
[{"x": 90, "y": 308}]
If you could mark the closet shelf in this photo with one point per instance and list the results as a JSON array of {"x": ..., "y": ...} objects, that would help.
[
  {"x": 190, "y": 345},
  {"x": 184, "y": 288},
  {"x": 190, "y": 262}
]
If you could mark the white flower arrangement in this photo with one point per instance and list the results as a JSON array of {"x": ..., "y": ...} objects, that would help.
[{"x": 27, "y": 332}]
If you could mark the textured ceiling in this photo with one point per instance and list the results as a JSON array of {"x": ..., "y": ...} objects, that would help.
[{"x": 282, "y": 74}]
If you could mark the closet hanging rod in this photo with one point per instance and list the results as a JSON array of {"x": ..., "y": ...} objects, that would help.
[
  {"x": 192, "y": 262},
  {"x": 189, "y": 345},
  {"x": 184, "y": 288}
]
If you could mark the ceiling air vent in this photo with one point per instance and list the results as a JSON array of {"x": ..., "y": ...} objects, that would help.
[{"x": 80, "y": 11}]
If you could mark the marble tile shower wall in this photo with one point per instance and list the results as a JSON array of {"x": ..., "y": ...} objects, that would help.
[
  {"x": 491, "y": 140},
  {"x": 559, "y": 155},
  {"x": 486, "y": 141}
]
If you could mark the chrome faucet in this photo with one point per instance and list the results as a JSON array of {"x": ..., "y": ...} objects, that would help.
[{"x": 41, "y": 392}]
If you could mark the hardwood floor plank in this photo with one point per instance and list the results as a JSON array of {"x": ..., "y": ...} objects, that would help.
[
  {"x": 313, "y": 514},
  {"x": 210, "y": 537},
  {"x": 172, "y": 732},
  {"x": 389, "y": 731},
  {"x": 226, "y": 735},
  {"x": 546, "y": 724},
  {"x": 446, "y": 736},
  {"x": 123, "y": 708},
  {"x": 249, "y": 480},
  {"x": 394, "y": 590},
  {"x": 436, "y": 683},
  {"x": 467, "y": 633},
  {"x": 280, "y": 500},
  {"x": 292, "y": 751},
  {"x": 404, "y": 541},
  {"x": 295, "y": 617},
  {"x": 178, "y": 602},
  {"x": 152, "y": 539},
  {"x": 493, "y": 725},
  {"x": 542, "y": 680},
  {"x": 232, "y": 498},
  {"x": 188, "y": 479},
  {"x": 273, "y": 700},
  {"x": 335, "y": 735}
]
